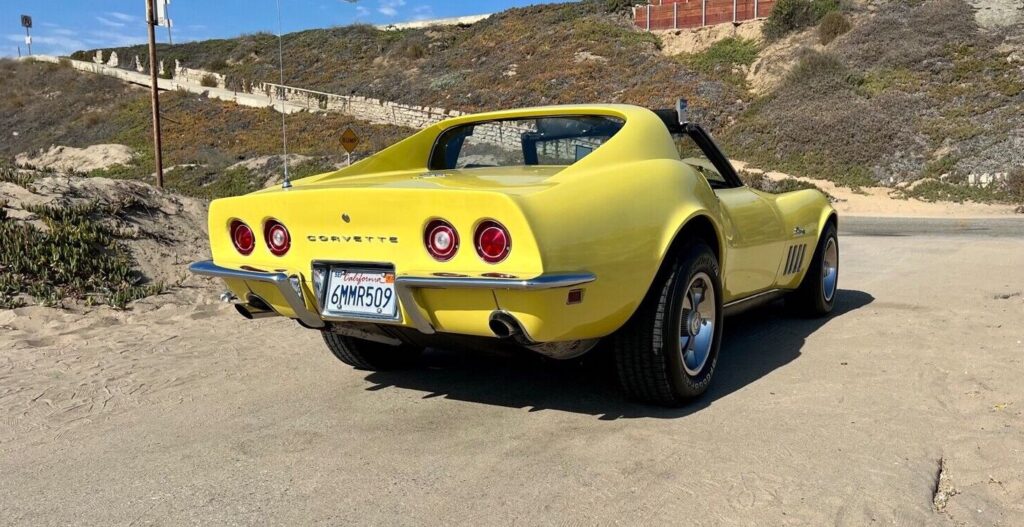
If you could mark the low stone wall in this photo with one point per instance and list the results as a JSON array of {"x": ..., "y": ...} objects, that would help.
[
  {"x": 363, "y": 108},
  {"x": 197, "y": 76}
]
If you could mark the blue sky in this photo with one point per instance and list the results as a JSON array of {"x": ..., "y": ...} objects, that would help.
[{"x": 62, "y": 26}]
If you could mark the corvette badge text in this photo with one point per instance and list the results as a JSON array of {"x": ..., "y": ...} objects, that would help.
[{"x": 352, "y": 239}]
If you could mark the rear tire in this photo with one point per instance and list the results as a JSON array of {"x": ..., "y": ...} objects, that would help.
[
  {"x": 368, "y": 355},
  {"x": 667, "y": 352},
  {"x": 820, "y": 286}
]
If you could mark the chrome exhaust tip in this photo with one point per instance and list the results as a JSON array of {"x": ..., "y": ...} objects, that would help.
[{"x": 504, "y": 325}]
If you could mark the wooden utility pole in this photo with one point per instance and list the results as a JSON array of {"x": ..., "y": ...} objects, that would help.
[{"x": 154, "y": 91}]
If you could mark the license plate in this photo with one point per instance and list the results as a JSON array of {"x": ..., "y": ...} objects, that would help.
[{"x": 361, "y": 293}]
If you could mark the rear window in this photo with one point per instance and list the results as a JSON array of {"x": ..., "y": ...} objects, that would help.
[{"x": 557, "y": 141}]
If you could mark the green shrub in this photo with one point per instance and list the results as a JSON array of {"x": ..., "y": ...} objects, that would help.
[
  {"x": 1015, "y": 185},
  {"x": 12, "y": 175},
  {"x": 727, "y": 52},
  {"x": 790, "y": 15},
  {"x": 935, "y": 190},
  {"x": 617, "y": 6},
  {"x": 721, "y": 59},
  {"x": 832, "y": 25},
  {"x": 76, "y": 256},
  {"x": 218, "y": 65},
  {"x": 208, "y": 81}
]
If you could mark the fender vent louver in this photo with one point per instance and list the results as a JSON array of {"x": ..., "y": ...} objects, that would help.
[{"x": 795, "y": 260}]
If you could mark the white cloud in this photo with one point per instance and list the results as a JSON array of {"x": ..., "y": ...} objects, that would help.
[
  {"x": 108, "y": 22},
  {"x": 362, "y": 12},
  {"x": 389, "y": 7},
  {"x": 121, "y": 16}
]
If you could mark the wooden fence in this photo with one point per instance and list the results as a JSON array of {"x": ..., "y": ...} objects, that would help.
[{"x": 683, "y": 14}]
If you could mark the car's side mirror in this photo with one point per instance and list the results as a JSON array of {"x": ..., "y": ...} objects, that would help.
[{"x": 681, "y": 112}]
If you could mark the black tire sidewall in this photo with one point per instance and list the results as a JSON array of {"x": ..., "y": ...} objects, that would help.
[
  {"x": 693, "y": 260},
  {"x": 821, "y": 305}
]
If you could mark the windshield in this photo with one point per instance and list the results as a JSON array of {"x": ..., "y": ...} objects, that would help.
[{"x": 558, "y": 141}]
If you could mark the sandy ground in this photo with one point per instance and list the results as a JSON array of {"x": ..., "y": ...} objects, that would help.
[
  {"x": 68, "y": 158},
  {"x": 695, "y": 40},
  {"x": 181, "y": 412},
  {"x": 878, "y": 201}
]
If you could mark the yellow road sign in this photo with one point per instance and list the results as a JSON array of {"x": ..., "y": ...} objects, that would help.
[{"x": 349, "y": 140}]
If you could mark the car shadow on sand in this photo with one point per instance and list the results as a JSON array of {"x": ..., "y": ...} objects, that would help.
[{"x": 755, "y": 344}]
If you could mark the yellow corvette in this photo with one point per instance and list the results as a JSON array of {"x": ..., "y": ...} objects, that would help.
[{"x": 548, "y": 228}]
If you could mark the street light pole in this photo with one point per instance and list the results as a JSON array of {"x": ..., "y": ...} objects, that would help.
[{"x": 154, "y": 92}]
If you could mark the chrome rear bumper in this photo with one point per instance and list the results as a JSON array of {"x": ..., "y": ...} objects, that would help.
[{"x": 290, "y": 289}]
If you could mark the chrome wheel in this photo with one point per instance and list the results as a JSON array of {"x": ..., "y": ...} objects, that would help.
[
  {"x": 830, "y": 269},
  {"x": 697, "y": 323}
]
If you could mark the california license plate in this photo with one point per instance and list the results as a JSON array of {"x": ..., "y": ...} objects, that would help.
[{"x": 361, "y": 293}]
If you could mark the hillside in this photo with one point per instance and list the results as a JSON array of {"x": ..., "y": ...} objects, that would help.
[
  {"x": 876, "y": 92},
  {"x": 913, "y": 90},
  {"x": 211, "y": 148},
  {"x": 564, "y": 53}
]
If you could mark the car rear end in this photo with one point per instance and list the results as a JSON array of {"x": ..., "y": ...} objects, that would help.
[{"x": 410, "y": 255}]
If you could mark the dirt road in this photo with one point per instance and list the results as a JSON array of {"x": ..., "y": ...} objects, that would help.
[{"x": 182, "y": 412}]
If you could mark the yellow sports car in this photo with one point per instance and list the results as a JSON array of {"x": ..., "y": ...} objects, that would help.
[{"x": 547, "y": 228}]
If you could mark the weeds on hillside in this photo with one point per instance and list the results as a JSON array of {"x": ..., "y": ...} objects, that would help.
[
  {"x": 723, "y": 59},
  {"x": 764, "y": 183},
  {"x": 791, "y": 15},
  {"x": 201, "y": 182},
  {"x": 832, "y": 25},
  {"x": 813, "y": 125},
  {"x": 75, "y": 256},
  {"x": 464, "y": 67},
  {"x": 936, "y": 190},
  {"x": 11, "y": 174}
]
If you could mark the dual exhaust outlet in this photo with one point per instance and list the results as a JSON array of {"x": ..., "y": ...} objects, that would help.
[{"x": 502, "y": 324}]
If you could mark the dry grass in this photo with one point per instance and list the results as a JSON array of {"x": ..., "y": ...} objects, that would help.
[
  {"x": 910, "y": 91},
  {"x": 832, "y": 25},
  {"x": 197, "y": 130},
  {"x": 34, "y": 91}
]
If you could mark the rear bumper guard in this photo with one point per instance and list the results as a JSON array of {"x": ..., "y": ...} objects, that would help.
[{"x": 290, "y": 289}]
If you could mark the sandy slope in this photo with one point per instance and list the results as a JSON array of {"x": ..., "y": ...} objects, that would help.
[
  {"x": 70, "y": 159},
  {"x": 877, "y": 201}
]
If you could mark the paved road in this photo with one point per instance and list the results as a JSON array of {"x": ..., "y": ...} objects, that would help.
[
  {"x": 867, "y": 226},
  {"x": 181, "y": 413}
]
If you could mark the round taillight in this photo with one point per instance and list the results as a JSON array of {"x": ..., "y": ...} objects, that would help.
[
  {"x": 441, "y": 239},
  {"x": 277, "y": 237},
  {"x": 493, "y": 242},
  {"x": 243, "y": 238}
]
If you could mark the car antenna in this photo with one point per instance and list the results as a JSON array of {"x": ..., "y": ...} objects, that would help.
[{"x": 284, "y": 130}]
